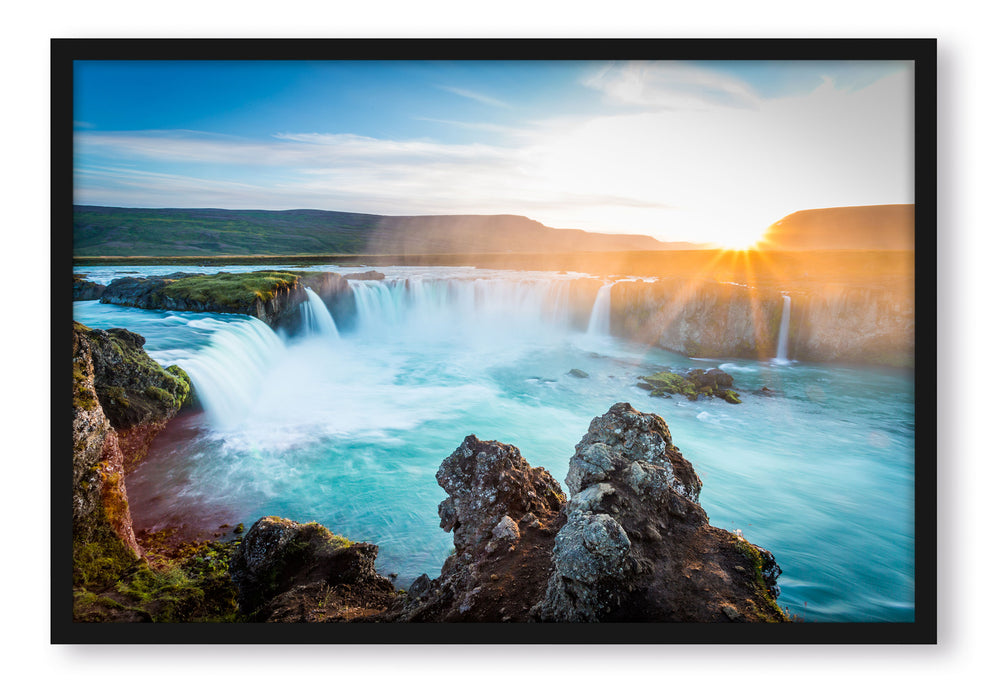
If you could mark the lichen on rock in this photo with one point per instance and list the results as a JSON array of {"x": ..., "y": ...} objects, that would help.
[{"x": 637, "y": 546}]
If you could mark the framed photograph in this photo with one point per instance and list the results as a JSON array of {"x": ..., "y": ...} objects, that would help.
[{"x": 493, "y": 341}]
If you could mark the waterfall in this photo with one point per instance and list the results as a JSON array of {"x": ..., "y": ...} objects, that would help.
[
  {"x": 453, "y": 309},
  {"x": 598, "y": 324},
  {"x": 785, "y": 323},
  {"x": 228, "y": 372},
  {"x": 316, "y": 317}
]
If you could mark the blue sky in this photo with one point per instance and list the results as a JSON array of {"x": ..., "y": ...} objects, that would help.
[{"x": 711, "y": 151}]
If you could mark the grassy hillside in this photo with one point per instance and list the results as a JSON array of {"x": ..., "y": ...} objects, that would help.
[{"x": 112, "y": 231}]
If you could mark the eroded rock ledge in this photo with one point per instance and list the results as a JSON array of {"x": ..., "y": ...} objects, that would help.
[{"x": 273, "y": 296}]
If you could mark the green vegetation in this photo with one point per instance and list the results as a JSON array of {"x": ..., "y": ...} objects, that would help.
[
  {"x": 761, "y": 589},
  {"x": 667, "y": 383},
  {"x": 696, "y": 384},
  {"x": 228, "y": 289},
  {"x": 120, "y": 231},
  {"x": 192, "y": 586}
]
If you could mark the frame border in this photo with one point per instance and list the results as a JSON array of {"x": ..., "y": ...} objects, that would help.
[{"x": 923, "y": 52}]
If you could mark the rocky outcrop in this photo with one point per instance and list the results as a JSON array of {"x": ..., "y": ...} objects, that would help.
[
  {"x": 137, "y": 394},
  {"x": 632, "y": 544},
  {"x": 636, "y": 546},
  {"x": 828, "y": 323},
  {"x": 100, "y": 511},
  {"x": 291, "y": 572},
  {"x": 504, "y": 515},
  {"x": 272, "y": 296},
  {"x": 694, "y": 384},
  {"x": 121, "y": 399},
  {"x": 84, "y": 290}
]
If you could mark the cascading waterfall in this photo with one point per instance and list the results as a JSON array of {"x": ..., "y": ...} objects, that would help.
[
  {"x": 317, "y": 319},
  {"x": 785, "y": 322},
  {"x": 599, "y": 323},
  {"x": 437, "y": 308},
  {"x": 229, "y": 370}
]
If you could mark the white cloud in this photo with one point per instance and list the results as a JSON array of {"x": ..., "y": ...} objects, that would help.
[
  {"x": 476, "y": 96},
  {"x": 670, "y": 85}
]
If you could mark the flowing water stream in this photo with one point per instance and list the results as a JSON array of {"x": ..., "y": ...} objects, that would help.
[{"x": 348, "y": 427}]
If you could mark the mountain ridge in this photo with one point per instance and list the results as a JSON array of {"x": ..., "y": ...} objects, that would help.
[{"x": 122, "y": 231}]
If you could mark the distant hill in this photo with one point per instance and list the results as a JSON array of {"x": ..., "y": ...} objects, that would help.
[
  {"x": 109, "y": 231},
  {"x": 882, "y": 227}
]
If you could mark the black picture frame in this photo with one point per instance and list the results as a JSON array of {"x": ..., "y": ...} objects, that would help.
[{"x": 923, "y": 52}]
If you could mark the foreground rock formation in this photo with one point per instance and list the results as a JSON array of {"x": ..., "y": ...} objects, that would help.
[
  {"x": 632, "y": 544},
  {"x": 290, "y": 572},
  {"x": 121, "y": 399}
]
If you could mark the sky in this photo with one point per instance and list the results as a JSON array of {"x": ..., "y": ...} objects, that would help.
[{"x": 710, "y": 152}]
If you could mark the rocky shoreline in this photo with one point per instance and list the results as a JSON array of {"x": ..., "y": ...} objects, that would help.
[{"x": 630, "y": 544}]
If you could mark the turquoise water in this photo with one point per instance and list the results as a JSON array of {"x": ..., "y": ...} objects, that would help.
[{"x": 349, "y": 429}]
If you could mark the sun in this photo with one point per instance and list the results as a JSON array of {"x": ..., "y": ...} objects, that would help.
[{"x": 738, "y": 239}]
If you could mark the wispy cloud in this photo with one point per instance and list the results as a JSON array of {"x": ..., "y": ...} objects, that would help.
[
  {"x": 670, "y": 85},
  {"x": 476, "y": 96}
]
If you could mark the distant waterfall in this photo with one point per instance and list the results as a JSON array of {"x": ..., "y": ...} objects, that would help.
[
  {"x": 785, "y": 324},
  {"x": 599, "y": 322},
  {"x": 227, "y": 372},
  {"x": 316, "y": 317}
]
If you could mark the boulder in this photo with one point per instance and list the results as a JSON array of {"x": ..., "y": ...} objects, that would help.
[
  {"x": 636, "y": 546},
  {"x": 503, "y": 514},
  {"x": 290, "y": 572}
]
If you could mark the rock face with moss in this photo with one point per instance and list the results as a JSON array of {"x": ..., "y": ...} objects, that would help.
[
  {"x": 273, "y": 296},
  {"x": 101, "y": 521},
  {"x": 121, "y": 398},
  {"x": 503, "y": 514},
  {"x": 694, "y": 384},
  {"x": 635, "y": 544},
  {"x": 137, "y": 394},
  {"x": 291, "y": 572}
]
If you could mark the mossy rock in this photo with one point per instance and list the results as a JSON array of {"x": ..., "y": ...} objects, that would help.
[{"x": 132, "y": 388}]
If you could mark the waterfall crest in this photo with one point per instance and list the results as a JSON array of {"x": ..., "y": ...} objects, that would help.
[{"x": 228, "y": 371}]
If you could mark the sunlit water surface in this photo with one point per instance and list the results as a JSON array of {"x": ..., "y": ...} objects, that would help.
[{"x": 348, "y": 427}]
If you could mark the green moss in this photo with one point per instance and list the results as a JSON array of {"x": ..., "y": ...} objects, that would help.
[
  {"x": 99, "y": 556},
  {"x": 83, "y": 397},
  {"x": 231, "y": 290},
  {"x": 770, "y": 612},
  {"x": 195, "y": 588},
  {"x": 731, "y": 396}
]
